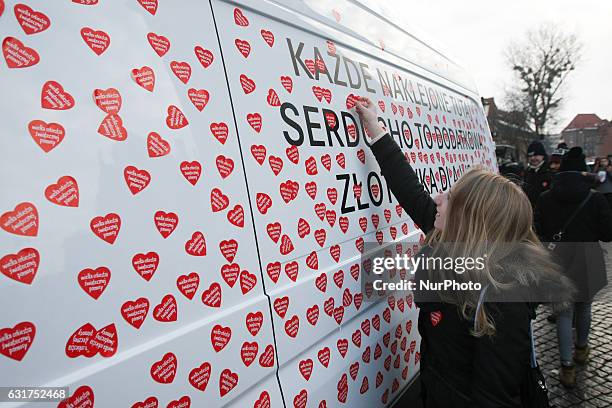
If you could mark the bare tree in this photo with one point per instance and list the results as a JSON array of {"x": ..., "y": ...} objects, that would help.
[{"x": 541, "y": 61}]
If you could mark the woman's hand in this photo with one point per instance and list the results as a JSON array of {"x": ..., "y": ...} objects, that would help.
[{"x": 366, "y": 109}]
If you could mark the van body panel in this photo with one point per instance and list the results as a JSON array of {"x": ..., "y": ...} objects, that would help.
[{"x": 285, "y": 191}]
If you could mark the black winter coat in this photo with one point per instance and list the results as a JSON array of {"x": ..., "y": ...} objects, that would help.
[
  {"x": 580, "y": 252},
  {"x": 536, "y": 182},
  {"x": 458, "y": 369}
]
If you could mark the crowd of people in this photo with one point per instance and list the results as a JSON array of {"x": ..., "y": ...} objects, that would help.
[{"x": 572, "y": 213}]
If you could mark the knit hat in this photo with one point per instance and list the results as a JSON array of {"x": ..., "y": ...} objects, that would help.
[
  {"x": 573, "y": 160},
  {"x": 536, "y": 148},
  {"x": 556, "y": 156}
]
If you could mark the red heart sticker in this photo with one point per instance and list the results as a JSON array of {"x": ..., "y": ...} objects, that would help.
[
  {"x": 229, "y": 248},
  {"x": 146, "y": 264},
  {"x": 305, "y": 367},
  {"x": 266, "y": 359},
  {"x": 191, "y": 171},
  {"x": 23, "y": 220},
  {"x": 254, "y": 120},
  {"x": 97, "y": 40},
  {"x": 281, "y": 305},
  {"x": 312, "y": 314},
  {"x": 248, "y": 352},
  {"x": 212, "y": 296},
  {"x": 164, "y": 370},
  {"x": 220, "y": 336},
  {"x": 292, "y": 326},
  {"x": 166, "y": 310},
  {"x": 107, "y": 227},
  {"x": 188, "y": 284},
  {"x": 183, "y": 402},
  {"x": 199, "y": 376},
  {"x": 46, "y": 135},
  {"x": 230, "y": 273},
  {"x": 199, "y": 98},
  {"x": 220, "y": 131},
  {"x": 159, "y": 43},
  {"x": 31, "y": 21},
  {"x": 196, "y": 246},
  {"x": 53, "y": 96},
  {"x": 247, "y": 281},
  {"x": 135, "y": 312},
  {"x": 16, "y": 341},
  {"x": 165, "y": 222},
  {"x": 324, "y": 355},
  {"x": 112, "y": 127},
  {"x": 94, "y": 281},
  {"x": 83, "y": 396},
  {"x": 105, "y": 341},
  {"x": 243, "y": 46},
  {"x": 268, "y": 37},
  {"x": 239, "y": 18},
  {"x": 157, "y": 146},
  {"x": 175, "y": 118},
  {"x": 273, "y": 99},
  {"x": 137, "y": 180},
  {"x": 18, "y": 55},
  {"x": 144, "y": 77},
  {"x": 225, "y": 166},
  {"x": 65, "y": 192},
  {"x": 149, "y": 5},
  {"x": 287, "y": 83},
  {"x": 21, "y": 266},
  {"x": 227, "y": 381},
  {"x": 182, "y": 70},
  {"x": 109, "y": 100},
  {"x": 300, "y": 400},
  {"x": 218, "y": 200},
  {"x": 254, "y": 321},
  {"x": 150, "y": 402},
  {"x": 78, "y": 343},
  {"x": 263, "y": 401},
  {"x": 204, "y": 56}
]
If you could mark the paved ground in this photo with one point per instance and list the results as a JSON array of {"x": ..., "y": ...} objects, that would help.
[{"x": 594, "y": 387}]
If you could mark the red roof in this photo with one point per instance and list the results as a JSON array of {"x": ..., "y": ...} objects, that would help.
[{"x": 584, "y": 120}]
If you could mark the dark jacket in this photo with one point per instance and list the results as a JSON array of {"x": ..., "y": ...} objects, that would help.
[
  {"x": 579, "y": 252},
  {"x": 458, "y": 369},
  {"x": 536, "y": 182}
]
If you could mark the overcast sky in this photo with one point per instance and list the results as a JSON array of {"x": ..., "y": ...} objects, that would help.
[{"x": 475, "y": 33}]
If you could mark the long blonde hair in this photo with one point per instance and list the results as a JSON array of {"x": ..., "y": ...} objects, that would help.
[{"x": 487, "y": 215}]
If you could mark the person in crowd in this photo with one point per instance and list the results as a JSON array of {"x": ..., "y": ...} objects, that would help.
[
  {"x": 471, "y": 356},
  {"x": 555, "y": 160},
  {"x": 537, "y": 176},
  {"x": 580, "y": 217},
  {"x": 605, "y": 180}
]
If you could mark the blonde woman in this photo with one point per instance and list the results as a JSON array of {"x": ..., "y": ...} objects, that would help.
[{"x": 472, "y": 358}]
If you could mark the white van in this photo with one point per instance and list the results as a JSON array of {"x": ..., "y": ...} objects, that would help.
[{"x": 186, "y": 193}]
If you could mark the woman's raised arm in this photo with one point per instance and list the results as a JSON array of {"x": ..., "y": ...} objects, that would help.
[{"x": 401, "y": 178}]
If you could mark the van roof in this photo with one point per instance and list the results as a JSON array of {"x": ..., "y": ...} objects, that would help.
[{"x": 409, "y": 43}]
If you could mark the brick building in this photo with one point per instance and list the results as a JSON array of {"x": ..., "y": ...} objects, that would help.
[
  {"x": 590, "y": 132},
  {"x": 508, "y": 128}
]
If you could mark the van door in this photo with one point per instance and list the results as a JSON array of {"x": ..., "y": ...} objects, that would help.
[
  {"x": 318, "y": 199},
  {"x": 128, "y": 258}
]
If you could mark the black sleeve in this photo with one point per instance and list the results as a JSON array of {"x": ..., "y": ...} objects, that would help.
[
  {"x": 501, "y": 361},
  {"x": 537, "y": 218},
  {"x": 604, "y": 218},
  {"x": 404, "y": 183}
]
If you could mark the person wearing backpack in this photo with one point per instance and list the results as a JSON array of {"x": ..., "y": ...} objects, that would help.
[
  {"x": 573, "y": 218},
  {"x": 476, "y": 350}
]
